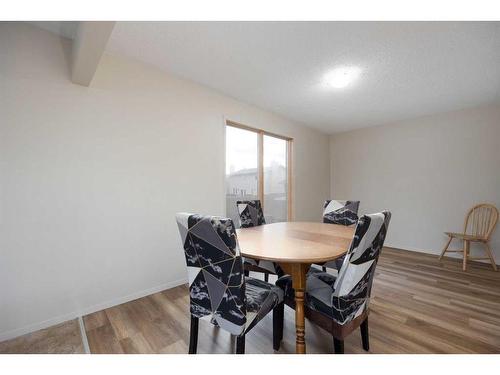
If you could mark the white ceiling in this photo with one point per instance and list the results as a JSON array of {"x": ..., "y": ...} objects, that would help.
[
  {"x": 409, "y": 69},
  {"x": 66, "y": 29}
]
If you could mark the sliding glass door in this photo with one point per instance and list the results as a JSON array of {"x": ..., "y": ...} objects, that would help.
[
  {"x": 258, "y": 167},
  {"x": 241, "y": 168},
  {"x": 275, "y": 179}
]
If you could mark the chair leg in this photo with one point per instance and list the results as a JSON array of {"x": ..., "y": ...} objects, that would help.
[
  {"x": 247, "y": 272},
  {"x": 324, "y": 269},
  {"x": 338, "y": 346},
  {"x": 445, "y": 248},
  {"x": 278, "y": 315},
  {"x": 282, "y": 321},
  {"x": 266, "y": 277},
  {"x": 466, "y": 254},
  {"x": 193, "y": 335},
  {"x": 364, "y": 335},
  {"x": 240, "y": 344},
  {"x": 490, "y": 255}
]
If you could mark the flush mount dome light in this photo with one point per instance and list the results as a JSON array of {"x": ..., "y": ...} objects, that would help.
[{"x": 341, "y": 77}]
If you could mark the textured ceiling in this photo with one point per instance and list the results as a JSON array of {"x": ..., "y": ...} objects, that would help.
[{"x": 409, "y": 69}]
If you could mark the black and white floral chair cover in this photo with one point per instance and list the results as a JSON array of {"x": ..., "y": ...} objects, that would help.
[
  {"x": 344, "y": 297},
  {"x": 251, "y": 215},
  {"x": 219, "y": 292}
]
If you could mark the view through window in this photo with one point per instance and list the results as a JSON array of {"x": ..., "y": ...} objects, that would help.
[
  {"x": 257, "y": 168},
  {"x": 275, "y": 179}
]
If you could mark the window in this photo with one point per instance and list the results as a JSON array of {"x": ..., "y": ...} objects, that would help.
[
  {"x": 258, "y": 167},
  {"x": 275, "y": 179}
]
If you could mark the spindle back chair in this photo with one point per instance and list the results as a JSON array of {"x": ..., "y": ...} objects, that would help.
[{"x": 480, "y": 222}]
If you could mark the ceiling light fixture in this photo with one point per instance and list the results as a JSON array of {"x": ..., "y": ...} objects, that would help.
[{"x": 341, "y": 77}]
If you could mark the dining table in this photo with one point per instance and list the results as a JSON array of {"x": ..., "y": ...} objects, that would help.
[{"x": 295, "y": 246}]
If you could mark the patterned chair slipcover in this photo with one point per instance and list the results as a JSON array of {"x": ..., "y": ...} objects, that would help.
[
  {"x": 218, "y": 290},
  {"x": 345, "y": 297},
  {"x": 340, "y": 212},
  {"x": 343, "y": 213},
  {"x": 251, "y": 215}
]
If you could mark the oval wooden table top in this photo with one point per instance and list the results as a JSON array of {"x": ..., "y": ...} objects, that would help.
[{"x": 295, "y": 242}]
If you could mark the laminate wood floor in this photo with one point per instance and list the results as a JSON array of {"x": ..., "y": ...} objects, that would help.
[
  {"x": 419, "y": 305},
  {"x": 64, "y": 338}
]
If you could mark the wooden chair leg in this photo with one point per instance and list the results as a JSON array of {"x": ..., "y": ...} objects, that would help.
[
  {"x": 193, "y": 335},
  {"x": 445, "y": 248},
  {"x": 490, "y": 255},
  {"x": 364, "y": 335},
  {"x": 240, "y": 344},
  {"x": 338, "y": 346},
  {"x": 278, "y": 316},
  {"x": 466, "y": 254}
]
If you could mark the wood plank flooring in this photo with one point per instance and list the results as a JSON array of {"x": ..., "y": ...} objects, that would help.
[
  {"x": 419, "y": 305},
  {"x": 64, "y": 338}
]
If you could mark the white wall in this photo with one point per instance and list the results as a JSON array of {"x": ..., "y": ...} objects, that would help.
[
  {"x": 428, "y": 172},
  {"x": 90, "y": 178}
]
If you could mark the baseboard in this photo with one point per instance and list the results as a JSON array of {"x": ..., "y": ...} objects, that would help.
[
  {"x": 437, "y": 253},
  {"x": 414, "y": 249},
  {"x": 88, "y": 310}
]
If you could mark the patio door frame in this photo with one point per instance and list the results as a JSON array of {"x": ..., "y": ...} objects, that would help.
[{"x": 260, "y": 162}]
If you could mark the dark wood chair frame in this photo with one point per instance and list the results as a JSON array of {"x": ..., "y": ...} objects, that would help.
[
  {"x": 278, "y": 318},
  {"x": 339, "y": 332}
]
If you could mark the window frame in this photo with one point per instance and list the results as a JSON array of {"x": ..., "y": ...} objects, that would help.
[{"x": 260, "y": 162}]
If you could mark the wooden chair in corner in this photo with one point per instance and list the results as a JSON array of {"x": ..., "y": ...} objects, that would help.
[{"x": 480, "y": 223}]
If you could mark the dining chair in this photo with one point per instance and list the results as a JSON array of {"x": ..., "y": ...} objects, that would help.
[
  {"x": 251, "y": 215},
  {"x": 343, "y": 213},
  {"x": 218, "y": 290},
  {"x": 480, "y": 223},
  {"x": 340, "y": 212},
  {"x": 339, "y": 304}
]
